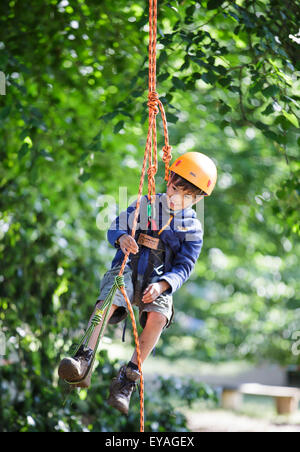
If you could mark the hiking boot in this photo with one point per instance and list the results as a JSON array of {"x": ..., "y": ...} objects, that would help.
[
  {"x": 121, "y": 388},
  {"x": 74, "y": 369}
]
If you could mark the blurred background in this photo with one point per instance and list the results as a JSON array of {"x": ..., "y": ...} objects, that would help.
[{"x": 73, "y": 121}]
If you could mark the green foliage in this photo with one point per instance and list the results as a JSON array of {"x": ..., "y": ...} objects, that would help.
[{"x": 73, "y": 128}]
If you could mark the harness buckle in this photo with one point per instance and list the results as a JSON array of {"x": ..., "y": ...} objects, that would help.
[{"x": 159, "y": 270}]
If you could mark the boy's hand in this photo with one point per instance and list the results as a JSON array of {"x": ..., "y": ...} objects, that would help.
[
  {"x": 127, "y": 243},
  {"x": 154, "y": 290}
]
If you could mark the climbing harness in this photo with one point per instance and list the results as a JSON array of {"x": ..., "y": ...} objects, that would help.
[
  {"x": 150, "y": 156},
  {"x": 155, "y": 249}
]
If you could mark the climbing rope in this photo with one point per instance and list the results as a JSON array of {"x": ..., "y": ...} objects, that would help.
[
  {"x": 96, "y": 320},
  {"x": 150, "y": 156},
  {"x": 154, "y": 105}
]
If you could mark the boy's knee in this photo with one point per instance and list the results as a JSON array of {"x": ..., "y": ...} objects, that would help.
[
  {"x": 99, "y": 305},
  {"x": 157, "y": 318}
]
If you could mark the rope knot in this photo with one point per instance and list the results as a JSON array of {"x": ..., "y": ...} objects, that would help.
[
  {"x": 153, "y": 102},
  {"x": 151, "y": 171},
  {"x": 167, "y": 154},
  {"x": 96, "y": 319},
  {"x": 119, "y": 282}
]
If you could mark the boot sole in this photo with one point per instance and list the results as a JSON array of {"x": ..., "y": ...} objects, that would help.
[{"x": 118, "y": 405}]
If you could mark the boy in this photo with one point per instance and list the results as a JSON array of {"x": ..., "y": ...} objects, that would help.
[{"x": 163, "y": 255}]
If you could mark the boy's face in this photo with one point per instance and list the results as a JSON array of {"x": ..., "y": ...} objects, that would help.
[{"x": 178, "y": 199}]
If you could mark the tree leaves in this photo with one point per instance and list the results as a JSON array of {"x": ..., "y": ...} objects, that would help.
[
  {"x": 224, "y": 108},
  {"x": 270, "y": 91},
  {"x": 291, "y": 118},
  {"x": 23, "y": 150},
  {"x": 214, "y": 4},
  {"x": 84, "y": 177},
  {"x": 119, "y": 126}
]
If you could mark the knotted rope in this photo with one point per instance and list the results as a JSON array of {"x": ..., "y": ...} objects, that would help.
[{"x": 150, "y": 155}]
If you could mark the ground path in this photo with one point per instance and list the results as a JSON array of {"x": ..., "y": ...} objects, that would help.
[
  {"x": 257, "y": 416},
  {"x": 227, "y": 421}
]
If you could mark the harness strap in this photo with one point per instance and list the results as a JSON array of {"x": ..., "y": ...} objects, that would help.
[{"x": 124, "y": 330}]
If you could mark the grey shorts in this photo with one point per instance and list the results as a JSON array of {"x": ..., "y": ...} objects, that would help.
[{"x": 163, "y": 304}]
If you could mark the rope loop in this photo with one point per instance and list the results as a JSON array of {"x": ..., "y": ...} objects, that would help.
[
  {"x": 153, "y": 102},
  {"x": 96, "y": 320},
  {"x": 119, "y": 281}
]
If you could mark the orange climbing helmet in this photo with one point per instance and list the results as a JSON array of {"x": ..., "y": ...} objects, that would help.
[{"x": 198, "y": 169}]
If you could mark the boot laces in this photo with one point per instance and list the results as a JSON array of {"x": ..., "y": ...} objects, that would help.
[{"x": 85, "y": 354}]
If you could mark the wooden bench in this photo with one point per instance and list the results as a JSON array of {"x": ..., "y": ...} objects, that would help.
[{"x": 287, "y": 399}]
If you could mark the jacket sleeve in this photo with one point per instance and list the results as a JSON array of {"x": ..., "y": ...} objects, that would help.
[
  {"x": 124, "y": 222},
  {"x": 184, "y": 261}
]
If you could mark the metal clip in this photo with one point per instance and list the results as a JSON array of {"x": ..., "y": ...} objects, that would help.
[{"x": 159, "y": 270}]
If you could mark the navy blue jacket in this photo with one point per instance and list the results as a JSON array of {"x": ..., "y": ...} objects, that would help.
[{"x": 184, "y": 237}]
